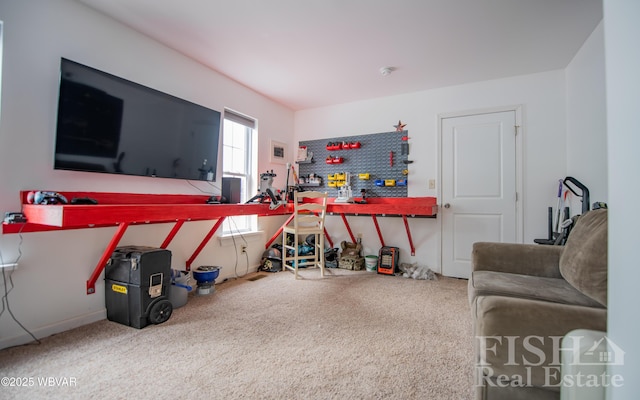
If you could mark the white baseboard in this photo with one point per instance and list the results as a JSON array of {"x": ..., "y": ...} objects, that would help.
[{"x": 54, "y": 328}]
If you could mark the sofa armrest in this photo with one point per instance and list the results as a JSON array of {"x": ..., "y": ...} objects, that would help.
[
  {"x": 520, "y": 337},
  {"x": 515, "y": 258}
]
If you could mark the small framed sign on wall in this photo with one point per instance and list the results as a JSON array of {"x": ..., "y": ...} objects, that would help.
[{"x": 278, "y": 153}]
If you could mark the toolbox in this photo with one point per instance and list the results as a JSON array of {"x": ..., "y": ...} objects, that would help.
[{"x": 137, "y": 280}]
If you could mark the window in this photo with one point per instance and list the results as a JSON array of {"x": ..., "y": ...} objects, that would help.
[{"x": 239, "y": 160}]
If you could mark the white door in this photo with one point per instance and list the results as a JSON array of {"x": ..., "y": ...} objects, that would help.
[{"x": 478, "y": 186}]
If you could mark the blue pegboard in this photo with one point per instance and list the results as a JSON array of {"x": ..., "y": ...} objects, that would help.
[{"x": 372, "y": 157}]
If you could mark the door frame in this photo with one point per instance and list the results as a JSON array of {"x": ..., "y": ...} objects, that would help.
[{"x": 520, "y": 131}]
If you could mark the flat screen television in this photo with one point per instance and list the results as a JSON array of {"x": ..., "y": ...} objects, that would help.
[{"x": 112, "y": 125}]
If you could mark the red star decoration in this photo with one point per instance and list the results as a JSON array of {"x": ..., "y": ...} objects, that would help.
[{"x": 400, "y": 126}]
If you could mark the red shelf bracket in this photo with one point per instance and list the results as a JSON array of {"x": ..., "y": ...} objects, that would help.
[
  {"x": 326, "y": 235},
  {"x": 204, "y": 242},
  {"x": 278, "y": 232},
  {"x": 172, "y": 234},
  {"x": 346, "y": 223},
  {"x": 91, "y": 283},
  {"x": 406, "y": 225},
  {"x": 375, "y": 222}
]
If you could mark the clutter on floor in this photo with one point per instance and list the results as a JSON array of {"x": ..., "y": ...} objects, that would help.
[
  {"x": 351, "y": 256},
  {"x": 205, "y": 276},
  {"x": 371, "y": 263},
  {"x": 271, "y": 259},
  {"x": 179, "y": 288},
  {"x": 415, "y": 271},
  {"x": 331, "y": 258}
]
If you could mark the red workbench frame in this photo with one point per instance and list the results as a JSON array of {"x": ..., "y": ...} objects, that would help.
[
  {"x": 126, "y": 209},
  {"x": 379, "y": 206}
]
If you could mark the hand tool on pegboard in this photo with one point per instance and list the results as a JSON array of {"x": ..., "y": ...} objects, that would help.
[
  {"x": 404, "y": 149},
  {"x": 391, "y": 158}
]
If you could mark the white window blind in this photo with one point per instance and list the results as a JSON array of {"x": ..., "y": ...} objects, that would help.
[{"x": 238, "y": 155}]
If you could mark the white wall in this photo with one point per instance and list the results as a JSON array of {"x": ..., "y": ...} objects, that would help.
[
  {"x": 622, "y": 56},
  {"x": 542, "y": 97},
  {"x": 49, "y": 293},
  {"x": 587, "y": 120}
]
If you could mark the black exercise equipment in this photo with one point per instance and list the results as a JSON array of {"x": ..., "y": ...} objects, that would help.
[
  {"x": 559, "y": 237},
  {"x": 583, "y": 188}
]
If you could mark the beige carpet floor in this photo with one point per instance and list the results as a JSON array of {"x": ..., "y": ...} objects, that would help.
[{"x": 350, "y": 335}]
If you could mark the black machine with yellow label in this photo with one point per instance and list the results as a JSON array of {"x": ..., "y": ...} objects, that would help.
[
  {"x": 137, "y": 280},
  {"x": 388, "y": 258}
]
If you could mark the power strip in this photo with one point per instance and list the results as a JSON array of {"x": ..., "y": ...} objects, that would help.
[{"x": 12, "y": 265}]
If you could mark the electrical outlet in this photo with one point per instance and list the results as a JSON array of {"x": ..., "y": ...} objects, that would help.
[
  {"x": 243, "y": 248},
  {"x": 432, "y": 183}
]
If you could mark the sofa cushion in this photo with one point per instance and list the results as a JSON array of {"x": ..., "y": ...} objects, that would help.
[
  {"x": 556, "y": 290},
  {"x": 583, "y": 262}
]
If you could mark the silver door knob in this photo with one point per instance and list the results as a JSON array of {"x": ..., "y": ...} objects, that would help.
[{"x": 446, "y": 205}]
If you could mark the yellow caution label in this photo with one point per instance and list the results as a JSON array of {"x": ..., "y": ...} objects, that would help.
[{"x": 119, "y": 288}]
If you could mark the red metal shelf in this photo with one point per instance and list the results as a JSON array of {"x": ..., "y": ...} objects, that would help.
[
  {"x": 126, "y": 209},
  {"x": 115, "y": 208},
  {"x": 380, "y": 206},
  {"x": 411, "y": 206},
  {"x": 84, "y": 216}
]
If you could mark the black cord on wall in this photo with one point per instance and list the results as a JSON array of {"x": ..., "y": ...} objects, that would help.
[{"x": 7, "y": 290}]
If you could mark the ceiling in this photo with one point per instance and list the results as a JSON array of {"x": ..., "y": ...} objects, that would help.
[{"x": 312, "y": 53}]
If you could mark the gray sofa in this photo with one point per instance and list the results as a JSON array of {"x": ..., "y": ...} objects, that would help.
[{"x": 525, "y": 297}]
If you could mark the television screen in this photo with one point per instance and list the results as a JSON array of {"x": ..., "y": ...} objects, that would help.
[{"x": 109, "y": 124}]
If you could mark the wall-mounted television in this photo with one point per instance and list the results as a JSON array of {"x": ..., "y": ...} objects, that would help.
[{"x": 112, "y": 125}]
